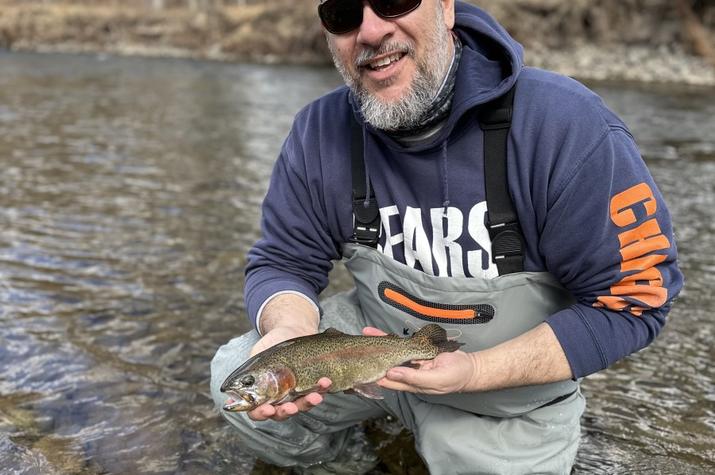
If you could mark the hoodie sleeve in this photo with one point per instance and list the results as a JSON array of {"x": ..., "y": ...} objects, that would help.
[
  {"x": 608, "y": 238},
  {"x": 295, "y": 251}
]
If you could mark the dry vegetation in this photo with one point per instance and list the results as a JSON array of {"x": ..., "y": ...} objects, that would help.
[
  {"x": 288, "y": 30},
  {"x": 284, "y": 30}
]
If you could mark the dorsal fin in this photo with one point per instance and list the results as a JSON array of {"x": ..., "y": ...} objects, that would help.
[{"x": 332, "y": 332}]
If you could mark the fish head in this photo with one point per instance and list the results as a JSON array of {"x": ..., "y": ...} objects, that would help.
[{"x": 250, "y": 389}]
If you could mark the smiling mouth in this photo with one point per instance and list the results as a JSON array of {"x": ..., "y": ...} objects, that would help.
[{"x": 383, "y": 62}]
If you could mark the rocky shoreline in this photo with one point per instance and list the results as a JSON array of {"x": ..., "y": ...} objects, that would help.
[
  {"x": 280, "y": 32},
  {"x": 618, "y": 63}
]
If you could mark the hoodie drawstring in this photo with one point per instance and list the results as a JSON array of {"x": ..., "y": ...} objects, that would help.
[
  {"x": 445, "y": 181},
  {"x": 368, "y": 186}
]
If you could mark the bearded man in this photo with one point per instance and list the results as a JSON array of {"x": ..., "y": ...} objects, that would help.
[{"x": 506, "y": 203}]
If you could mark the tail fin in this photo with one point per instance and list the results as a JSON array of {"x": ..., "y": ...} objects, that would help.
[{"x": 437, "y": 336}]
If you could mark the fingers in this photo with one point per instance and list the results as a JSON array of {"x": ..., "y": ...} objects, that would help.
[
  {"x": 407, "y": 379},
  {"x": 396, "y": 386},
  {"x": 284, "y": 411},
  {"x": 303, "y": 404},
  {"x": 324, "y": 384},
  {"x": 403, "y": 375},
  {"x": 262, "y": 412},
  {"x": 277, "y": 413}
]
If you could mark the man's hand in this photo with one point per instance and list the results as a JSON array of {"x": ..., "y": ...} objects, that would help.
[
  {"x": 303, "y": 321},
  {"x": 535, "y": 357},
  {"x": 445, "y": 374}
]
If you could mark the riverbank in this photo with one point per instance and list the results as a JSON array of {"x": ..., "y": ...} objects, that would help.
[{"x": 581, "y": 41}]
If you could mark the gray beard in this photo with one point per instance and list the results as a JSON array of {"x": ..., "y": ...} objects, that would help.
[
  {"x": 405, "y": 113},
  {"x": 408, "y": 111}
]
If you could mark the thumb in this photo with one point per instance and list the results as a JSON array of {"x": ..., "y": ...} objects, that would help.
[{"x": 402, "y": 374}]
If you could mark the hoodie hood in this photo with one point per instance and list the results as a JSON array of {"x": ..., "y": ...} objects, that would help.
[{"x": 492, "y": 60}]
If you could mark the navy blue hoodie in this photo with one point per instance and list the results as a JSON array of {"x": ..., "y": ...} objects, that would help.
[{"x": 589, "y": 209}]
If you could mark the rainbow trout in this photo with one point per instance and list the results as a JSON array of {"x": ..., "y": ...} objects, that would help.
[{"x": 352, "y": 362}]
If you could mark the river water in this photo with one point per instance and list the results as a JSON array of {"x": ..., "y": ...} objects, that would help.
[{"x": 130, "y": 191}]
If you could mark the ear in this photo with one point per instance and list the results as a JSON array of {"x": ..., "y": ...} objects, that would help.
[{"x": 448, "y": 10}]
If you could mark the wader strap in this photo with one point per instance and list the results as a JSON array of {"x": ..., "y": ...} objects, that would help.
[
  {"x": 366, "y": 214},
  {"x": 502, "y": 221}
]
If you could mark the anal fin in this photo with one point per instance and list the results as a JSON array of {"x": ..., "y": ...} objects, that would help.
[
  {"x": 370, "y": 391},
  {"x": 410, "y": 364}
]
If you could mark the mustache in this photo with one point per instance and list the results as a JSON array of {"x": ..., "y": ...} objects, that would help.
[{"x": 367, "y": 53}]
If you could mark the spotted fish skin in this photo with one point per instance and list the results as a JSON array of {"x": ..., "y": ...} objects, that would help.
[{"x": 293, "y": 368}]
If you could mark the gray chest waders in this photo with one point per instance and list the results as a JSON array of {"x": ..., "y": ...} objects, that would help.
[{"x": 483, "y": 312}]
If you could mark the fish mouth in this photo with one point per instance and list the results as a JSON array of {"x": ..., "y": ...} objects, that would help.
[
  {"x": 239, "y": 402},
  {"x": 233, "y": 405}
]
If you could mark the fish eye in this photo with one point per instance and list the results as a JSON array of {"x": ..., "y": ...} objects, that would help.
[{"x": 248, "y": 380}]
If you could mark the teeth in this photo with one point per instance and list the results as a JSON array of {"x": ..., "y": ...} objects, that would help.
[
  {"x": 230, "y": 404},
  {"x": 385, "y": 61}
]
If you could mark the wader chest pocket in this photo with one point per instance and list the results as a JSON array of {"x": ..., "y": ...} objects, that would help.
[{"x": 436, "y": 312}]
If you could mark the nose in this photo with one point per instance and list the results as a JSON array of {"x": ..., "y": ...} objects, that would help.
[{"x": 373, "y": 29}]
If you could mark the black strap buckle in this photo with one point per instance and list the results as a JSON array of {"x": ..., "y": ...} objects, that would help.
[
  {"x": 366, "y": 225},
  {"x": 502, "y": 221},
  {"x": 507, "y": 241}
]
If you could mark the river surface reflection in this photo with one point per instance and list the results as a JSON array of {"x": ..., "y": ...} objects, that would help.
[{"x": 130, "y": 191}]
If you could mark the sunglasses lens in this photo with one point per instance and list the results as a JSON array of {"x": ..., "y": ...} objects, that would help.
[
  {"x": 340, "y": 16},
  {"x": 394, "y": 8}
]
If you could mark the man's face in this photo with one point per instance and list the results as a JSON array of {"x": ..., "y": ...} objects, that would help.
[{"x": 396, "y": 66}]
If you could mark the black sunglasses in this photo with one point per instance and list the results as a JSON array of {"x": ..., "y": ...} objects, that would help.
[{"x": 342, "y": 16}]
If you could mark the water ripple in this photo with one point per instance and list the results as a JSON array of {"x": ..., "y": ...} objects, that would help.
[{"x": 131, "y": 192}]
